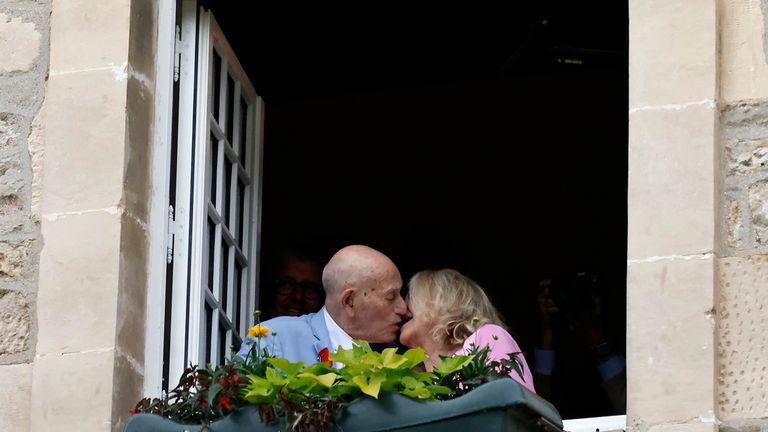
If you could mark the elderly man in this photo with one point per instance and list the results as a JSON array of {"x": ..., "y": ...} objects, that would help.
[{"x": 362, "y": 301}]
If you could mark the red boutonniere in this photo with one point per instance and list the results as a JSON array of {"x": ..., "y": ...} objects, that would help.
[{"x": 324, "y": 353}]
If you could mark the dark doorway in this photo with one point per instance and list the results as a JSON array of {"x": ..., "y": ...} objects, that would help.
[{"x": 492, "y": 140}]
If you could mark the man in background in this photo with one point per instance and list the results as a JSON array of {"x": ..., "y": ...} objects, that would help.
[{"x": 294, "y": 285}]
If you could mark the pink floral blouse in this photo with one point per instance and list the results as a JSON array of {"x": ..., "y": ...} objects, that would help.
[{"x": 501, "y": 346}]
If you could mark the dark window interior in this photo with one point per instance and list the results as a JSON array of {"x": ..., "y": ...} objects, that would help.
[{"x": 489, "y": 139}]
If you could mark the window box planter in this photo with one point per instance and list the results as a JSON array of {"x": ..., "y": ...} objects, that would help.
[{"x": 501, "y": 405}]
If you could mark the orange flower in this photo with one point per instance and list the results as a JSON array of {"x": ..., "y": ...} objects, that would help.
[{"x": 258, "y": 331}]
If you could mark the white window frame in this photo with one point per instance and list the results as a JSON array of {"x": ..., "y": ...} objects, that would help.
[
  {"x": 184, "y": 232},
  {"x": 158, "y": 229}
]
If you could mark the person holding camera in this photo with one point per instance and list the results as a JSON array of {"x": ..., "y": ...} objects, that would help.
[{"x": 577, "y": 366}]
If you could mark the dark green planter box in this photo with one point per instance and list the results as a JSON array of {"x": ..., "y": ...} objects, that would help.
[{"x": 502, "y": 405}]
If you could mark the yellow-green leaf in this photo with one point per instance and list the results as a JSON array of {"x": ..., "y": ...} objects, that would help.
[
  {"x": 290, "y": 369},
  {"x": 391, "y": 360},
  {"x": 369, "y": 385},
  {"x": 415, "y": 355},
  {"x": 325, "y": 379},
  {"x": 450, "y": 365},
  {"x": 275, "y": 377}
]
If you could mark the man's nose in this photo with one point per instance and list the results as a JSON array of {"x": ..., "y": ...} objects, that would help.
[
  {"x": 298, "y": 293},
  {"x": 401, "y": 308}
]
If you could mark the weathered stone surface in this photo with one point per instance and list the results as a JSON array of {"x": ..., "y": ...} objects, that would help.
[
  {"x": 758, "y": 207},
  {"x": 745, "y": 121},
  {"x": 19, "y": 44},
  {"x": 36, "y": 153},
  {"x": 742, "y": 337},
  {"x": 14, "y": 256},
  {"x": 671, "y": 208},
  {"x": 745, "y": 425},
  {"x": 743, "y": 67},
  {"x": 746, "y": 157},
  {"x": 670, "y": 341},
  {"x": 14, "y": 322},
  {"x": 686, "y": 72},
  {"x": 15, "y": 392},
  {"x": 73, "y": 392},
  {"x": 9, "y": 131},
  {"x": 735, "y": 225}
]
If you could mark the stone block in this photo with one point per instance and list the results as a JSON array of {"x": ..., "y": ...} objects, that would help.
[
  {"x": 85, "y": 142},
  {"x": 15, "y": 394},
  {"x": 19, "y": 44},
  {"x": 128, "y": 389},
  {"x": 673, "y": 55},
  {"x": 77, "y": 294},
  {"x": 671, "y": 182},
  {"x": 14, "y": 257},
  {"x": 87, "y": 35},
  {"x": 14, "y": 322},
  {"x": 735, "y": 225},
  {"x": 670, "y": 340},
  {"x": 684, "y": 427},
  {"x": 746, "y": 158},
  {"x": 132, "y": 298},
  {"x": 743, "y": 61},
  {"x": 758, "y": 208},
  {"x": 744, "y": 123},
  {"x": 73, "y": 392},
  {"x": 10, "y": 131},
  {"x": 745, "y": 425},
  {"x": 742, "y": 337},
  {"x": 36, "y": 148}
]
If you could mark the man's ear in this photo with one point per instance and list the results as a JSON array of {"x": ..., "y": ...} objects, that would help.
[{"x": 348, "y": 301}]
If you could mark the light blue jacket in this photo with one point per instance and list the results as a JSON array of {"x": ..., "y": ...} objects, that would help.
[{"x": 296, "y": 338}]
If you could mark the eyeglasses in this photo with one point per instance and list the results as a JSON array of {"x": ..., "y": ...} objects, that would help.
[{"x": 287, "y": 285}]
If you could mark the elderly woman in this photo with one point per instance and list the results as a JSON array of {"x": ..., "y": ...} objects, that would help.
[{"x": 450, "y": 313}]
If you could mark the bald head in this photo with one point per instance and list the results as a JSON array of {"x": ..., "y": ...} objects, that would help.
[
  {"x": 356, "y": 265},
  {"x": 362, "y": 293}
]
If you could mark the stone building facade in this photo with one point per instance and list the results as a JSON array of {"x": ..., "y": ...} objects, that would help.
[{"x": 78, "y": 136}]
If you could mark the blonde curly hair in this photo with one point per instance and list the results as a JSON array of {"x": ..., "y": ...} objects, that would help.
[{"x": 455, "y": 305}]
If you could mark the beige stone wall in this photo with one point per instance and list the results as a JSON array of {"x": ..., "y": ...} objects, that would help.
[
  {"x": 23, "y": 68},
  {"x": 94, "y": 193},
  {"x": 742, "y": 296},
  {"x": 698, "y": 223},
  {"x": 671, "y": 235}
]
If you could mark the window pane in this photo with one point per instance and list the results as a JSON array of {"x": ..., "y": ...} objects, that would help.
[
  {"x": 213, "y": 168},
  {"x": 243, "y": 131},
  {"x": 238, "y": 300},
  {"x": 224, "y": 286},
  {"x": 216, "y": 82},
  {"x": 208, "y": 324},
  {"x": 225, "y": 193},
  {"x": 240, "y": 214},
  {"x": 223, "y": 349},
  {"x": 230, "y": 108},
  {"x": 211, "y": 247}
]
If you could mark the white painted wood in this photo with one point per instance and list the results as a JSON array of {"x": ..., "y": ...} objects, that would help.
[
  {"x": 593, "y": 424},
  {"x": 184, "y": 158},
  {"x": 256, "y": 137},
  {"x": 196, "y": 342},
  {"x": 192, "y": 286},
  {"x": 159, "y": 196}
]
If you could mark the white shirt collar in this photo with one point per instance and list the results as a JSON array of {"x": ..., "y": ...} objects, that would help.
[{"x": 336, "y": 334}]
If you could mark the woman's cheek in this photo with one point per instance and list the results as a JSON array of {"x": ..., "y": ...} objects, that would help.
[{"x": 406, "y": 334}]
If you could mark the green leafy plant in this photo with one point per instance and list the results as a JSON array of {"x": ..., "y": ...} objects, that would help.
[
  {"x": 477, "y": 370},
  {"x": 309, "y": 397}
]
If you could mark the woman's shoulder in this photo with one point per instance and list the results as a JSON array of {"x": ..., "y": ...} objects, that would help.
[
  {"x": 488, "y": 334},
  {"x": 491, "y": 330}
]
